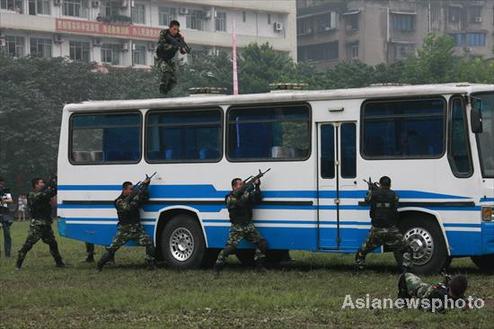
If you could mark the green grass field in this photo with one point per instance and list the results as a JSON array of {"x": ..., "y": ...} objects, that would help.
[{"x": 307, "y": 294}]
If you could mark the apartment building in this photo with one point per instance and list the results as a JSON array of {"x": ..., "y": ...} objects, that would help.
[
  {"x": 124, "y": 32},
  {"x": 378, "y": 31}
]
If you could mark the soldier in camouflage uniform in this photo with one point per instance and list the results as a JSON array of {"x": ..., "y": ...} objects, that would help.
[
  {"x": 384, "y": 231},
  {"x": 167, "y": 48},
  {"x": 38, "y": 201},
  {"x": 411, "y": 286},
  {"x": 130, "y": 227},
  {"x": 240, "y": 203}
]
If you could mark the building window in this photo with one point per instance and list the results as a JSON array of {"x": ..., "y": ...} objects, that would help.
[
  {"x": 220, "y": 21},
  {"x": 195, "y": 20},
  {"x": 79, "y": 51},
  {"x": 475, "y": 13},
  {"x": 454, "y": 14},
  {"x": 104, "y": 138},
  {"x": 166, "y": 15},
  {"x": 403, "y": 51},
  {"x": 269, "y": 19},
  {"x": 326, "y": 22},
  {"x": 112, "y": 8},
  {"x": 403, "y": 129},
  {"x": 41, "y": 47},
  {"x": 352, "y": 51},
  {"x": 184, "y": 136},
  {"x": 75, "y": 8},
  {"x": 471, "y": 39},
  {"x": 283, "y": 130},
  {"x": 475, "y": 39},
  {"x": 110, "y": 54},
  {"x": 319, "y": 52},
  {"x": 139, "y": 55},
  {"x": 459, "y": 147},
  {"x": 244, "y": 16},
  {"x": 14, "y": 46},
  {"x": 12, "y": 5},
  {"x": 403, "y": 23},
  {"x": 39, "y": 7},
  {"x": 304, "y": 26},
  {"x": 352, "y": 22},
  {"x": 139, "y": 13}
]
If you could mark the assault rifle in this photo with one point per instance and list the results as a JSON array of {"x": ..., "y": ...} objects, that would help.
[
  {"x": 140, "y": 186},
  {"x": 182, "y": 44},
  {"x": 371, "y": 185},
  {"x": 250, "y": 181}
]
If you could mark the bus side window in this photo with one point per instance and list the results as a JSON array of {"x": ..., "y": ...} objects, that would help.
[
  {"x": 105, "y": 138},
  {"x": 348, "y": 150},
  {"x": 403, "y": 129},
  {"x": 269, "y": 133},
  {"x": 459, "y": 147},
  {"x": 327, "y": 151},
  {"x": 190, "y": 135}
]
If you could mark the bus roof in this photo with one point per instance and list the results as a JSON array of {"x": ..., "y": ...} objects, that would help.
[{"x": 282, "y": 96}]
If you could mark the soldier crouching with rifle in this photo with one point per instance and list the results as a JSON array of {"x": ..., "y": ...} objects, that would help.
[
  {"x": 129, "y": 223},
  {"x": 169, "y": 43},
  {"x": 384, "y": 231},
  {"x": 240, "y": 201}
]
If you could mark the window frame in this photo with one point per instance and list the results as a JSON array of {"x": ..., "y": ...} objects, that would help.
[
  {"x": 132, "y": 111},
  {"x": 268, "y": 105},
  {"x": 406, "y": 99},
  {"x": 467, "y": 130},
  {"x": 187, "y": 109}
]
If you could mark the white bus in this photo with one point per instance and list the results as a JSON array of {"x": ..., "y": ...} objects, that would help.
[{"x": 436, "y": 142}]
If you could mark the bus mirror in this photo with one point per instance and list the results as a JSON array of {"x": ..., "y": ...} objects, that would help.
[{"x": 476, "y": 120}]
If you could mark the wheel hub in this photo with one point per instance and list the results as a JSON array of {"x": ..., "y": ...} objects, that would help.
[
  {"x": 181, "y": 244},
  {"x": 422, "y": 244}
]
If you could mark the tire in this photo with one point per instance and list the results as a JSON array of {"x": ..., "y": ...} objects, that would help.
[
  {"x": 484, "y": 262},
  {"x": 182, "y": 243},
  {"x": 246, "y": 257},
  {"x": 431, "y": 255}
]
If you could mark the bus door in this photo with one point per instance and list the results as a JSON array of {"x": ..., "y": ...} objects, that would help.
[{"x": 337, "y": 183}]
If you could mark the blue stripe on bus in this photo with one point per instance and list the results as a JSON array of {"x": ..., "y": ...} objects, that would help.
[
  {"x": 486, "y": 199},
  {"x": 218, "y": 208},
  {"x": 267, "y": 221},
  {"x": 209, "y": 191}
]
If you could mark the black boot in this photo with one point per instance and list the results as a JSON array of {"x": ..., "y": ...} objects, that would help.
[
  {"x": 59, "y": 262},
  {"x": 260, "y": 268},
  {"x": 151, "y": 265},
  {"x": 18, "y": 263},
  {"x": 104, "y": 259},
  {"x": 217, "y": 268},
  {"x": 89, "y": 258}
]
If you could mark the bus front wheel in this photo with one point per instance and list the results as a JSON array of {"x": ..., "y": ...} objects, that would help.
[
  {"x": 182, "y": 243},
  {"x": 484, "y": 262},
  {"x": 426, "y": 239}
]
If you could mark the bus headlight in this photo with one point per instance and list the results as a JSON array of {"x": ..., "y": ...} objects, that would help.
[{"x": 487, "y": 214}]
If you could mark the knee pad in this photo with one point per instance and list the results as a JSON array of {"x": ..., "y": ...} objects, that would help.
[{"x": 229, "y": 250}]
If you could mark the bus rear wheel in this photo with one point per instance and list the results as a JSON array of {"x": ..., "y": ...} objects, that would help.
[
  {"x": 484, "y": 262},
  {"x": 182, "y": 243},
  {"x": 426, "y": 239}
]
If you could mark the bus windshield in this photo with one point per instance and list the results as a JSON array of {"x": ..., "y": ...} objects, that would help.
[{"x": 485, "y": 139}]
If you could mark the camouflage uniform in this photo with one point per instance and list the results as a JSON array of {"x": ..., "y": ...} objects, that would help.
[
  {"x": 165, "y": 52},
  {"x": 240, "y": 211},
  {"x": 130, "y": 228},
  {"x": 384, "y": 230},
  {"x": 40, "y": 227},
  {"x": 411, "y": 286}
]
